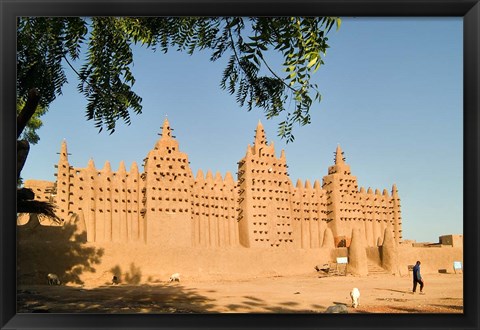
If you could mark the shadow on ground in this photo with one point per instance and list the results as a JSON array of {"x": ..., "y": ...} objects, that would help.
[
  {"x": 255, "y": 305},
  {"x": 54, "y": 249},
  {"x": 112, "y": 299},
  {"x": 158, "y": 298}
]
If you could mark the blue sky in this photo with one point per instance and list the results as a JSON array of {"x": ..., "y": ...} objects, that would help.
[{"x": 392, "y": 93}]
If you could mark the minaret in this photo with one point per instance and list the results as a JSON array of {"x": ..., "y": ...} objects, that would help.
[
  {"x": 63, "y": 183},
  {"x": 340, "y": 165},
  {"x": 264, "y": 196},
  {"x": 63, "y": 151},
  {"x": 168, "y": 182},
  {"x": 339, "y": 156},
  {"x": 341, "y": 190},
  {"x": 260, "y": 140},
  {"x": 167, "y": 139},
  {"x": 166, "y": 130}
]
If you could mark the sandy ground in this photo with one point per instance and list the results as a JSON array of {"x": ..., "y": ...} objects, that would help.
[{"x": 308, "y": 293}]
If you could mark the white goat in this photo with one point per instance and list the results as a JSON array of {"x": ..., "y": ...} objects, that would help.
[
  {"x": 53, "y": 279},
  {"x": 355, "y": 295},
  {"x": 175, "y": 277}
]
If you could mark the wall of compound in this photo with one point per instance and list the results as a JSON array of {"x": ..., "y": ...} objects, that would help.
[
  {"x": 63, "y": 250},
  {"x": 435, "y": 259}
]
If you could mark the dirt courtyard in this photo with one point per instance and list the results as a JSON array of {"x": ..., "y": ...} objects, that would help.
[{"x": 308, "y": 293}]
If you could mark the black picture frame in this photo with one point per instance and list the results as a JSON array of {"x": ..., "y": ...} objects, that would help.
[{"x": 9, "y": 10}]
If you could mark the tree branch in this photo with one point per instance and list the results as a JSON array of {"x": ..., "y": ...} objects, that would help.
[
  {"x": 74, "y": 70},
  {"x": 261, "y": 57},
  {"x": 232, "y": 42},
  {"x": 276, "y": 76}
]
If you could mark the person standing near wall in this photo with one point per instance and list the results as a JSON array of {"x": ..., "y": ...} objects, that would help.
[{"x": 417, "y": 278}]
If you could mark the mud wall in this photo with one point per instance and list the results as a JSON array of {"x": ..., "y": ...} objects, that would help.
[
  {"x": 94, "y": 265},
  {"x": 64, "y": 250},
  {"x": 434, "y": 259},
  {"x": 68, "y": 254}
]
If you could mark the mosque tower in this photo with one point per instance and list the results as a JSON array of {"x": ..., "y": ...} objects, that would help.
[
  {"x": 167, "y": 193},
  {"x": 62, "y": 199},
  {"x": 264, "y": 196},
  {"x": 341, "y": 189}
]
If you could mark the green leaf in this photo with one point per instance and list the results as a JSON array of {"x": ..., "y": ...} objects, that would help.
[{"x": 312, "y": 62}]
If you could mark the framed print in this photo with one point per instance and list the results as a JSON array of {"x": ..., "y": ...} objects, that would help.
[{"x": 147, "y": 197}]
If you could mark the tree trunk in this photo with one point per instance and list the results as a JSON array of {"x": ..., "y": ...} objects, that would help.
[
  {"x": 28, "y": 110},
  {"x": 23, "y": 147}
]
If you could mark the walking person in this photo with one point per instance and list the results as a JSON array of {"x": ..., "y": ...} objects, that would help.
[{"x": 417, "y": 278}]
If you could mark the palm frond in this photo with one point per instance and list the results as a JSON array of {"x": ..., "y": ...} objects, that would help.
[{"x": 38, "y": 207}]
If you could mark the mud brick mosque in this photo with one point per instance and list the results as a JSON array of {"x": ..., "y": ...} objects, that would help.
[
  {"x": 165, "y": 204},
  {"x": 166, "y": 208}
]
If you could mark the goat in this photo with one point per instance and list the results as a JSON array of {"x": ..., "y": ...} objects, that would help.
[
  {"x": 355, "y": 295},
  {"x": 175, "y": 277},
  {"x": 53, "y": 279}
]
